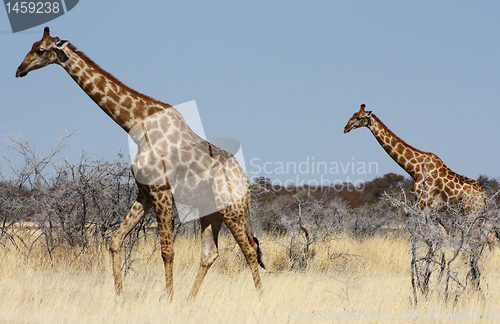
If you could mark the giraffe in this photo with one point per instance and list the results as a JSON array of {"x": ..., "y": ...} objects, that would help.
[
  {"x": 437, "y": 186},
  {"x": 173, "y": 163}
]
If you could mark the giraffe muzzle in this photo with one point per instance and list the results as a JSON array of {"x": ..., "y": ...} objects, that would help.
[{"x": 20, "y": 72}]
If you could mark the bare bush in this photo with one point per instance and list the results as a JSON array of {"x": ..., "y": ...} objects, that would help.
[
  {"x": 371, "y": 219},
  {"x": 266, "y": 207},
  {"x": 446, "y": 246},
  {"x": 298, "y": 219},
  {"x": 65, "y": 203}
]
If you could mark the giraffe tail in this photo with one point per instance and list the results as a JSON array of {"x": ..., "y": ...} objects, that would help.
[
  {"x": 259, "y": 253},
  {"x": 250, "y": 228}
]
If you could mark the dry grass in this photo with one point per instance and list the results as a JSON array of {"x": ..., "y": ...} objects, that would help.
[{"x": 346, "y": 276}]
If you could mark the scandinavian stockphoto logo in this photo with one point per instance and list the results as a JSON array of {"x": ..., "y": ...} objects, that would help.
[
  {"x": 149, "y": 143},
  {"x": 26, "y": 14}
]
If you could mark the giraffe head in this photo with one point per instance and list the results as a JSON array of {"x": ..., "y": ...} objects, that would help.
[
  {"x": 359, "y": 119},
  {"x": 46, "y": 51}
]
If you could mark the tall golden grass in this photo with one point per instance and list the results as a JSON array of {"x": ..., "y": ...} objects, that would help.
[{"x": 346, "y": 280}]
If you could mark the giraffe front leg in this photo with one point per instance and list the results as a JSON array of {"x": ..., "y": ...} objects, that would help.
[
  {"x": 163, "y": 201},
  {"x": 135, "y": 214}
]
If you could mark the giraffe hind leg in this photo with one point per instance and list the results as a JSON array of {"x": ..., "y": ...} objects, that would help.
[
  {"x": 163, "y": 203},
  {"x": 249, "y": 246},
  {"x": 210, "y": 227}
]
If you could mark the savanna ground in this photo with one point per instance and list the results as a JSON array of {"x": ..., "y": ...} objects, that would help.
[
  {"x": 346, "y": 280},
  {"x": 330, "y": 255}
]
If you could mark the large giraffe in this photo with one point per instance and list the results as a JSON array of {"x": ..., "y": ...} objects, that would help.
[
  {"x": 173, "y": 163},
  {"x": 435, "y": 183}
]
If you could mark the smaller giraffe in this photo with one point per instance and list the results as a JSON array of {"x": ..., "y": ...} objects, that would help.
[{"x": 437, "y": 184}]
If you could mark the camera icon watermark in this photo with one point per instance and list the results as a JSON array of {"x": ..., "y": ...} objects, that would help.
[{"x": 170, "y": 148}]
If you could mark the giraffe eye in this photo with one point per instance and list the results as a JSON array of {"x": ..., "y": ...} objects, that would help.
[
  {"x": 359, "y": 118},
  {"x": 40, "y": 52}
]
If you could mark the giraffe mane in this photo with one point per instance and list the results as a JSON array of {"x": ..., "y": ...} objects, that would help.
[
  {"x": 450, "y": 171},
  {"x": 108, "y": 75},
  {"x": 397, "y": 137}
]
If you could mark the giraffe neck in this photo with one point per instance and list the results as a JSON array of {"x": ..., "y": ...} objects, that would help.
[
  {"x": 124, "y": 105},
  {"x": 404, "y": 154}
]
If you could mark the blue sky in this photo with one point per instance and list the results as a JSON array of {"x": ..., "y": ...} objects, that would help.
[{"x": 281, "y": 77}]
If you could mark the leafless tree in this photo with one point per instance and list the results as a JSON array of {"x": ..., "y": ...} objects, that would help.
[
  {"x": 65, "y": 203},
  {"x": 298, "y": 219},
  {"x": 446, "y": 246}
]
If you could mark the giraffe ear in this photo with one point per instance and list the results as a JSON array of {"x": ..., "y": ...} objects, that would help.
[
  {"x": 369, "y": 113},
  {"x": 61, "y": 44}
]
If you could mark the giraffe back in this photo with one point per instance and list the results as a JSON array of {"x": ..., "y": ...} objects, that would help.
[{"x": 197, "y": 172}]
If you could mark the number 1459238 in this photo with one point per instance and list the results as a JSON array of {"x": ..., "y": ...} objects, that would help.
[{"x": 32, "y": 7}]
